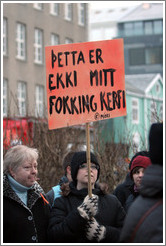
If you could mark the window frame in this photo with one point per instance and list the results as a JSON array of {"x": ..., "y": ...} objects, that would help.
[
  {"x": 154, "y": 28},
  {"x": 20, "y": 41},
  {"x": 5, "y": 97},
  {"x": 157, "y": 88},
  {"x": 38, "y": 46},
  {"x": 135, "y": 109},
  {"x": 68, "y": 41},
  {"x": 39, "y": 103},
  {"x": 68, "y": 11},
  {"x": 55, "y": 37},
  {"x": 81, "y": 14},
  {"x": 146, "y": 29},
  {"x": 21, "y": 85},
  {"x": 53, "y": 8},
  {"x": 5, "y": 36},
  {"x": 38, "y": 6}
]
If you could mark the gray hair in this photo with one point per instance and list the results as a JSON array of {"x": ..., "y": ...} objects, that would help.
[{"x": 17, "y": 155}]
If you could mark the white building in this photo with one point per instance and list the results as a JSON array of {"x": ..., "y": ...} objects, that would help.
[{"x": 103, "y": 22}]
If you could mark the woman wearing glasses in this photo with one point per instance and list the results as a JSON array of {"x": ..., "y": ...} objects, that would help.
[{"x": 78, "y": 218}]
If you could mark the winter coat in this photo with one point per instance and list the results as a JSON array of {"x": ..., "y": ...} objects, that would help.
[
  {"x": 122, "y": 191},
  {"x": 67, "y": 226},
  {"x": 134, "y": 194},
  {"x": 144, "y": 221},
  {"x": 21, "y": 223}
]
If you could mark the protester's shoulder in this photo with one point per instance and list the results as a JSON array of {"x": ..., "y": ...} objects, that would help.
[
  {"x": 63, "y": 198},
  {"x": 119, "y": 187},
  {"x": 112, "y": 198}
]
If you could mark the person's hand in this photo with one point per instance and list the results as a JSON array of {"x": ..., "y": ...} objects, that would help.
[
  {"x": 94, "y": 231},
  {"x": 89, "y": 207}
]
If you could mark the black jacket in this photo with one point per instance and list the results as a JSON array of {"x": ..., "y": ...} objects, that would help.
[
  {"x": 21, "y": 223},
  {"x": 122, "y": 191},
  {"x": 67, "y": 226},
  {"x": 130, "y": 199},
  {"x": 144, "y": 221}
]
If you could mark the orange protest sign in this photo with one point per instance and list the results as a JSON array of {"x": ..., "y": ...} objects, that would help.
[{"x": 85, "y": 82}]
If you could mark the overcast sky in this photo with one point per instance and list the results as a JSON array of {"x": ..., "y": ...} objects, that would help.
[{"x": 113, "y": 4}]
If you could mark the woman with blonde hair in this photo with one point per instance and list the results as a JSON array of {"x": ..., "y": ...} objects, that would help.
[{"x": 25, "y": 209}]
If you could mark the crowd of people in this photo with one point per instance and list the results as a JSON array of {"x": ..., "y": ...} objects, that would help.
[{"x": 133, "y": 213}]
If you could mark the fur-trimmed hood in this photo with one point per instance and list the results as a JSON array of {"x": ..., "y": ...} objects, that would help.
[{"x": 33, "y": 194}]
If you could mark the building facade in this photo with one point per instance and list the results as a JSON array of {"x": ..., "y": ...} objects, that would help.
[
  {"x": 144, "y": 102},
  {"x": 142, "y": 31},
  {"x": 141, "y": 28},
  {"x": 27, "y": 29},
  {"x": 103, "y": 22}
]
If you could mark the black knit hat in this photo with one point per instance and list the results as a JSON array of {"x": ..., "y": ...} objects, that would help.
[
  {"x": 80, "y": 158},
  {"x": 156, "y": 143}
]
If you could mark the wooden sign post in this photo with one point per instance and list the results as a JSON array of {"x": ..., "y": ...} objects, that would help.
[
  {"x": 88, "y": 159},
  {"x": 85, "y": 83}
]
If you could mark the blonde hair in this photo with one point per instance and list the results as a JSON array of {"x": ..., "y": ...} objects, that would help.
[{"x": 17, "y": 155}]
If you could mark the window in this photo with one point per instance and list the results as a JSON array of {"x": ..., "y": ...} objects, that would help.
[
  {"x": 20, "y": 41},
  {"x": 68, "y": 11},
  {"x": 5, "y": 87},
  {"x": 138, "y": 28},
  {"x": 4, "y": 36},
  {"x": 148, "y": 56},
  {"x": 148, "y": 27},
  {"x": 135, "y": 109},
  {"x": 153, "y": 55},
  {"x": 38, "y": 45},
  {"x": 128, "y": 29},
  {"x": 39, "y": 110},
  {"x": 157, "y": 88},
  {"x": 81, "y": 14},
  {"x": 136, "y": 56},
  {"x": 54, "y": 8},
  {"x": 120, "y": 29},
  {"x": 158, "y": 27},
  {"x": 38, "y": 6},
  {"x": 153, "y": 112},
  {"x": 68, "y": 41},
  {"x": 21, "y": 97},
  {"x": 54, "y": 39}
]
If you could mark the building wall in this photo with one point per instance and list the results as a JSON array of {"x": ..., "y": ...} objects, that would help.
[
  {"x": 143, "y": 42},
  {"x": 142, "y": 31},
  {"x": 31, "y": 73},
  {"x": 135, "y": 133}
]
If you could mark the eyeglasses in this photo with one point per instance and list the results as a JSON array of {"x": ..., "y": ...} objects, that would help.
[{"x": 85, "y": 166}]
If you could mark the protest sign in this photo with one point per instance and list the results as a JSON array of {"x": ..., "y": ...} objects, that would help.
[{"x": 85, "y": 82}]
